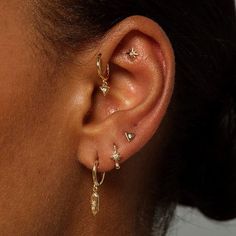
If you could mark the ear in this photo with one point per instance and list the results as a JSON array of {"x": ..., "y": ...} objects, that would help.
[{"x": 140, "y": 91}]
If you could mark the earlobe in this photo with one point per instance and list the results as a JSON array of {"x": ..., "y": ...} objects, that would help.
[{"x": 141, "y": 82}]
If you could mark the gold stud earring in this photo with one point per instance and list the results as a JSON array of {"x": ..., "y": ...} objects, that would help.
[
  {"x": 104, "y": 87},
  {"x": 130, "y": 136},
  {"x": 116, "y": 157},
  {"x": 95, "y": 198},
  {"x": 132, "y": 53}
]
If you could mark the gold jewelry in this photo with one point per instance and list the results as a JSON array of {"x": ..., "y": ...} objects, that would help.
[
  {"x": 104, "y": 87},
  {"x": 95, "y": 199},
  {"x": 132, "y": 53},
  {"x": 130, "y": 136},
  {"x": 116, "y": 157}
]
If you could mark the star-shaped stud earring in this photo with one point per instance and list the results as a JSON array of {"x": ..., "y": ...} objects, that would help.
[{"x": 132, "y": 53}]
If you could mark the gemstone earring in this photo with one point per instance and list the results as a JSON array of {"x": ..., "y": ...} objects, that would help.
[
  {"x": 104, "y": 87},
  {"x": 130, "y": 136},
  {"x": 116, "y": 157},
  {"x": 95, "y": 198},
  {"x": 132, "y": 53}
]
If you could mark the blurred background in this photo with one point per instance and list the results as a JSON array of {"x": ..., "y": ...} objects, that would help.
[{"x": 189, "y": 222}]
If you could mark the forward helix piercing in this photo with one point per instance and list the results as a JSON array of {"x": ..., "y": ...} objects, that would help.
[
  {"x": 95, "y": 198},
  {"x": 104, "y": 87}
]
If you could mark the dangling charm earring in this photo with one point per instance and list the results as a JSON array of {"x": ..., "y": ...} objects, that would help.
[
  {"x": 104, "y": 87},
  {"x": 95, "y": 199},
  {"x": 116, "y": 157}
]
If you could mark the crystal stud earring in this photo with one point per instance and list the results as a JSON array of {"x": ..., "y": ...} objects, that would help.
[
  {"x": 130, "y": 136},
  {"x": 132, "y": 53}
]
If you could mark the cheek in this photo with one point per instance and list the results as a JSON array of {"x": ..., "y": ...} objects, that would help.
[
  {"x": 17, "y": 82},
  {"x": 25, "y": 96},
  {"x": 17, "y": 76}
]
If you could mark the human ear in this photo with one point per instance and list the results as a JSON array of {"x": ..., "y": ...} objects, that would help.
[{"x": 140, "y": 91}]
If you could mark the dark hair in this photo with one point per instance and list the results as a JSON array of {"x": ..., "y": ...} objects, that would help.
[{"x": 201, "y": 147}]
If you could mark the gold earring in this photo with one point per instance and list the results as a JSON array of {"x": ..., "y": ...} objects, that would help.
[
  {"x": 116, "y": 157},
  {"x": 132, "y": 53},
  {"x": 104, "y": 87},
  {"x": 130, "y": 136},
  {"x": 95, "y": 199}
]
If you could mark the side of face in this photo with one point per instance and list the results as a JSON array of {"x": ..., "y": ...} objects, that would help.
[
  {"x": 53, "y": 118},
  {"x": 36, "y": 143}
]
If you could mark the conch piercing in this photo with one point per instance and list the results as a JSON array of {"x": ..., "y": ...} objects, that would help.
[
  {"x": 132, "y": 53},
  {"x": 104, "y": 87},
  {"x": 130, "y": 136},
  {"x": 116, "y": 157},
  {"x": 95, "y": 199}
]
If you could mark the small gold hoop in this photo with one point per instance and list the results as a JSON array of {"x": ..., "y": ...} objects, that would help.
[
  {"x": 99, "y": 68},
  {"x": 94, "y": 174}
]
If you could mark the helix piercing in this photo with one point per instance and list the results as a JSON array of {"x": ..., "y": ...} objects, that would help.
[{"x": 104, "y": 87}]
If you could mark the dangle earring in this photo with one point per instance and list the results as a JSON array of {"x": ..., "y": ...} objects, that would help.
[
  {"x": 116, "y": 157},
  {"x": 95, "y": 198},
  {"x": 104, "y": 87}
]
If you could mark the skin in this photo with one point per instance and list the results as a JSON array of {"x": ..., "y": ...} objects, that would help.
[{"x": 54, "y": 124}]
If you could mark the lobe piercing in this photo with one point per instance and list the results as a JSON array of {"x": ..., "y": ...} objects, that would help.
[
  {"x": 116, "y": 157},
  {"x": 95, "y": 198}
]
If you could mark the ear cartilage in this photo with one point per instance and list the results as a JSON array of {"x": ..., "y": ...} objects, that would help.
[
  {"x": 105, "y": 86},
  {"x": 116, "y": 157},
  {"x": 130, "y": 136},
  {"x": 132, "y": 53}
]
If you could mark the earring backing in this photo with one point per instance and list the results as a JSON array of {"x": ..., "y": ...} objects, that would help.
[
  {"x": 104, "y": 87},
  {"x": 95, "y": 198}
]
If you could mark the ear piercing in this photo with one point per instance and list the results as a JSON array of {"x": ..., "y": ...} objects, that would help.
[
  {"x": 130, "y": 136},
  {"x": 132, "y": 53},
  {"x": 104, "y": 87},
  {"x": 116, "y": 157},
  {"x": 95, "y": 199}
]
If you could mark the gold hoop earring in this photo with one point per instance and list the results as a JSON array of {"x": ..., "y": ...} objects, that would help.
[
  {"x": 95, "y": 198},
  {"x": 104, "y": 87}
]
